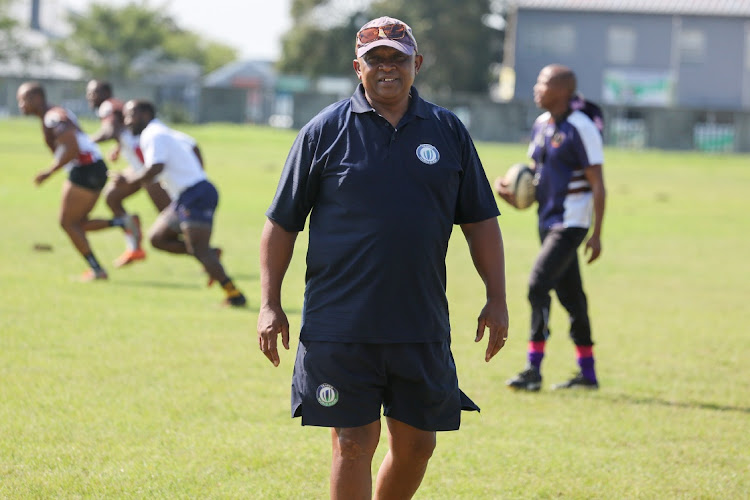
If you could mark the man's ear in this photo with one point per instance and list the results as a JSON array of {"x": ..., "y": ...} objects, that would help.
[{"x": 357, "y": 70}]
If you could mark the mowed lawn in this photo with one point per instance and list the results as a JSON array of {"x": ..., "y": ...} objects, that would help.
[{"x": 144, "y": 387}]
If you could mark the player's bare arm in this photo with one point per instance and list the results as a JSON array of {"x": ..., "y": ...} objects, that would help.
[
  {"x": 276, "y": 250},
  {"x": 66, "y": 150},
  {"x": 595, "y": 177},
  {"x": 145, "y": 177},
  {"x": 487, "y": 252},
  {"x": 107, "y": 131}
]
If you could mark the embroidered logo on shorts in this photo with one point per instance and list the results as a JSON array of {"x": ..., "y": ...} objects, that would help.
[
  {"x": 327, "y": 395},
  {"x": 427, "y": 153}
]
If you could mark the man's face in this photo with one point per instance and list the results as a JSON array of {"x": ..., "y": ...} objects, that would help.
[
  {"x": 135, "y": 120},
  {"x": 94, "y": 95},
  {"x": 548, "y": 90},
  {"x": 28, "y": 102},
  {"x": 386, "y": 73}
]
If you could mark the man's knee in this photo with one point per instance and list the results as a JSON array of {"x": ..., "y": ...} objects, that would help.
[
  {"x": 356, "y": 443},
  {"x": 419, "y": 449}
]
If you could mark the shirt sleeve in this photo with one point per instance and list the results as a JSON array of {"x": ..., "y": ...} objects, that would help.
[
  {"x": 298, "y": 186},
  {"x": 476, "y": 201}
]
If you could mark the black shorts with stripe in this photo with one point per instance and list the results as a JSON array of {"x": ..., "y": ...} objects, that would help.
[{"x": 92, "y": 176}]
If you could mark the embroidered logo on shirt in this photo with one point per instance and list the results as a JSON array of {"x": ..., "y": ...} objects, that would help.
[
  {"x": 427, "y": 153},
  {"x": 557, "y": 139},
  {"x": 327, "y": 395}
]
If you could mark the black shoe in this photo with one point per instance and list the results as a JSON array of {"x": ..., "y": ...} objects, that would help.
[
  {"x": 528, "y": 380},
  {"x": 236, "y": 301},
  {"x": 577, "y": 382}
]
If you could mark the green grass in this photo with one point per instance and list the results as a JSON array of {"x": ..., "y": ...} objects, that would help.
[{"x": 143, "y": 387}]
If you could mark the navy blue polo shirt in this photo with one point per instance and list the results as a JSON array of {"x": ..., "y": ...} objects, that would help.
[{"x": 382, "y": 203}]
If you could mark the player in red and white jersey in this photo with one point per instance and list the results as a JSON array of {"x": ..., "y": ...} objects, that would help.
[
  {"x": 76, "y": 153},
  {"x": 109, "y": 110}
]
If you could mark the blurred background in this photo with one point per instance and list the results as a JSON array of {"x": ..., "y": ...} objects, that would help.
[{"x": 669, "y": 74}]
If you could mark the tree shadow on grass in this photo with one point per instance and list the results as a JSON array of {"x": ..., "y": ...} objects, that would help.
[{"x": 656, "y": 401}]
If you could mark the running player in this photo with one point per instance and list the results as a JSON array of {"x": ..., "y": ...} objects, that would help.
[
  {"x": 109, "y": 110},
  {"x": 76, "y": 153},
  {"x": 185, "y": 226}
]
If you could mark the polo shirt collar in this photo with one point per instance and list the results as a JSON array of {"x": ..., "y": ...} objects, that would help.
[{"x": 360, "y": 104}]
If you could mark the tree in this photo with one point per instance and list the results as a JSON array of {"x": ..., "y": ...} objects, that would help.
[
  {"x": 105, "y": 41},
  {"x": 458, "y": 45},
  {"x": 10, "y": 45}
]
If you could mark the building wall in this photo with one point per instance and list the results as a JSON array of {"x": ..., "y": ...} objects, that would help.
[
  {"x": 679, "y": 128},
  {"x": 718, "y": 79}
]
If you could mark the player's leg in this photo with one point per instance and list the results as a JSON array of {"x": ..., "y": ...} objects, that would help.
[
  {"x": 165, "y": 233},
  {"x": 77, "y": 203},
  {"x": 405, "y": 464},
  {"x": 341, "y": 386},
  {"x": 422, "y": 397},
  {"x": 196, "y": 209},
  {"x": 351, "y": 462},
  {"x": 114, "y": 194},
  {"x": 569, "y": 289},
  {"x": 197, "y": 237}
]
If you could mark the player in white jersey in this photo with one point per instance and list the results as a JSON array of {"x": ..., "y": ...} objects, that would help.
[
  {"x": 109, "y": 110},
  {"x": 76, "y": 153},
  {"x": 185, "y": 226}
]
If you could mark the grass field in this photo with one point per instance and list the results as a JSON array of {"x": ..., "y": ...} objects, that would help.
[{"x": 144, "y": 387}]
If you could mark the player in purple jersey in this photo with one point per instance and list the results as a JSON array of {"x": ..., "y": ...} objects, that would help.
[{"x": 566, "y": 153}]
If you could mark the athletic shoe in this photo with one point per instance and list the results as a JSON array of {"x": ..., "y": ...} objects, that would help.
[
  {"x": 236, "y": 301},
  {"x": 133, "y": 228},
  {"x": 91, "y": 275},
  {"x": 528, "y": 380},
  {"x": 218, "y": 252},
  {"x": 577, "y": 382},
  {"x": 130, "y": 256}
]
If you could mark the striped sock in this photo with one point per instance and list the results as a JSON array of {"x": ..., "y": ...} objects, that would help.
[
  {"x": 230, "y": 289},
  {"x": 536, "y": 353},
  {"x": 586, "y": 362}
]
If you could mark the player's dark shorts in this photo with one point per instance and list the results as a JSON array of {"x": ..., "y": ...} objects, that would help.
[
  {"x": 92, "y": 176},
  {"x": 346, "y": 384},
  {"x": 196, "y": 205}
]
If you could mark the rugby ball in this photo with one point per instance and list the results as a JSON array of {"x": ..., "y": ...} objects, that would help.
[{"x": 520, "y": 181}]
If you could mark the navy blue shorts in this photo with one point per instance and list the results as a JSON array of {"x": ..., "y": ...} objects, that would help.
[
  {"x": 92, "y": 176},
  {"x": 197, "y": 204},
  {"x": 346, "y": 384}
]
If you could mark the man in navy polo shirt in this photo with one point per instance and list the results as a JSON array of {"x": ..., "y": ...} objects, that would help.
[
  {"x": 384, "y": 176},
  {"x": 567, "y": 154}
]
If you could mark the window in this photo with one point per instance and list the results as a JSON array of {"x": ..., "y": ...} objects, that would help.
[
  {"x": 620, "y": 45},
  {"x": 558, "y": 40},
  {"x": 692, "y": 46}
]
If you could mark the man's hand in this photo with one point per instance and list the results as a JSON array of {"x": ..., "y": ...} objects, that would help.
[
  {"x": 494, "y": 316},
  {"x": 594, "y": 246},
  {"x": 41, "y": 177},
  {"x": 272, "y": 321},
  {"x": 501, "y": 188}
]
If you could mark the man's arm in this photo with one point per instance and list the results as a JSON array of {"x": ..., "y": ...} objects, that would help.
[
  {"x": 145, "y": 177},
  {"x": 276, "y": 249},
  {"x": 107, "y": 131},
  {"x": 199, "y": 155},
  {"x": 486, "y": 247},
  {"x": 66, "y": 150},
  {"x": 596, "y": 179}
]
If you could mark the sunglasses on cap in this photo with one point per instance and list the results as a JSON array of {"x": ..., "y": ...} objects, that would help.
[{"x": 389, "y": 31}]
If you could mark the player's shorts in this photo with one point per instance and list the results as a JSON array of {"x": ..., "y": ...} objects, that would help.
[
  {"x": 346, "y": 384},
  {"x": 92, "y": 176},
  {"x": 196, "y": 205}
]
